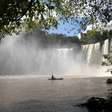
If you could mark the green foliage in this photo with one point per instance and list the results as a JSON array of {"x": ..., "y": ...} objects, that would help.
[
  {"x": 28, "y": 14},
  {"x": 108, "y": 60},
  {"x": 17, "y": 15},
  {"x": 92, "y": 11},
  {"x": 63, "y": 39},
  {"x": 93, "y": 36}
]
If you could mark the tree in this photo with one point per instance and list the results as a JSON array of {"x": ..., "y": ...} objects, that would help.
[
  {"x": 108, "y": 60},
  {"x": 94, "y": 35},
  {"x": 27, "y": 14},
  {"x": 94, "y": 10},
  {"x": 30, "y": 13}
]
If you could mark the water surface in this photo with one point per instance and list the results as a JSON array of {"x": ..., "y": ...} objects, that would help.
[{"x": 33, "y": 94}]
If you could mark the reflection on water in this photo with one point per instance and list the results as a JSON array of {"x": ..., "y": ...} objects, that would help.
[{"x": 42, "y": 95}]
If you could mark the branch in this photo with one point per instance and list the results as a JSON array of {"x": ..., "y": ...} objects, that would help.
[{"x": 31, "y": 3}]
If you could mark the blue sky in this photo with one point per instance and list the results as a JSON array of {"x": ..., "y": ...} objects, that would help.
[{"x": 70, "y": 28}]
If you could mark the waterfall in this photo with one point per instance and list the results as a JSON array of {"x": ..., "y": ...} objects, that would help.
[
  {"x": 27, "y": 56},
  {"x": 93, "y": 56},
  {"x": 20, "y": 56},
  {"x": 92, "y": 53},
  {"x": 105, "y": 51}
]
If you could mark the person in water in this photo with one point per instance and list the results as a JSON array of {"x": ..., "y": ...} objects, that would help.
[{"x": 53, "y": 77}]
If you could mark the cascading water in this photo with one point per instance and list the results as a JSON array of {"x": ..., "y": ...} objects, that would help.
[
  {"x": 93, "y": 54},
  {"x": 105, "y": 50},
  {"x": 26, "y": 56},
  {"x": 21, "y": 56}
]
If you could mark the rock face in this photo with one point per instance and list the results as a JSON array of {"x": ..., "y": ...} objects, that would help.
[{"x": 96, "y": 104}]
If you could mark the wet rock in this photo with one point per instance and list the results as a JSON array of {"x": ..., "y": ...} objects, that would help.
[
  {"x": 96, "y": 104},
  {"x": 109, "y": 81}
]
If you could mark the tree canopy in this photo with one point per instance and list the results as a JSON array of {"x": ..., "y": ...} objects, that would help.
[
  {"x": 30, "y": 13},
  {"x": 62, "y": 39},
  {"x": 93, "y": 36},
  {"x": 27, "y": 14}
]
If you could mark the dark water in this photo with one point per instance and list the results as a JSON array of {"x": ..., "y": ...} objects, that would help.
[{"x": 41, "y": 95}]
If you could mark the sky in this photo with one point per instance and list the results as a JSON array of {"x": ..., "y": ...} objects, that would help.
[
  {"x": 70, "y": 28},
  {"x": 73, "y": 28}
]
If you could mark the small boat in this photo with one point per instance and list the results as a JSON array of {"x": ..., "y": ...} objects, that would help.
[
  {"x": 53, "y": 78},
  {"x": 56, "y": 79}
]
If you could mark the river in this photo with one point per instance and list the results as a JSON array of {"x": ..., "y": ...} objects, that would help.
[{"x": 38, "y": 94}]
